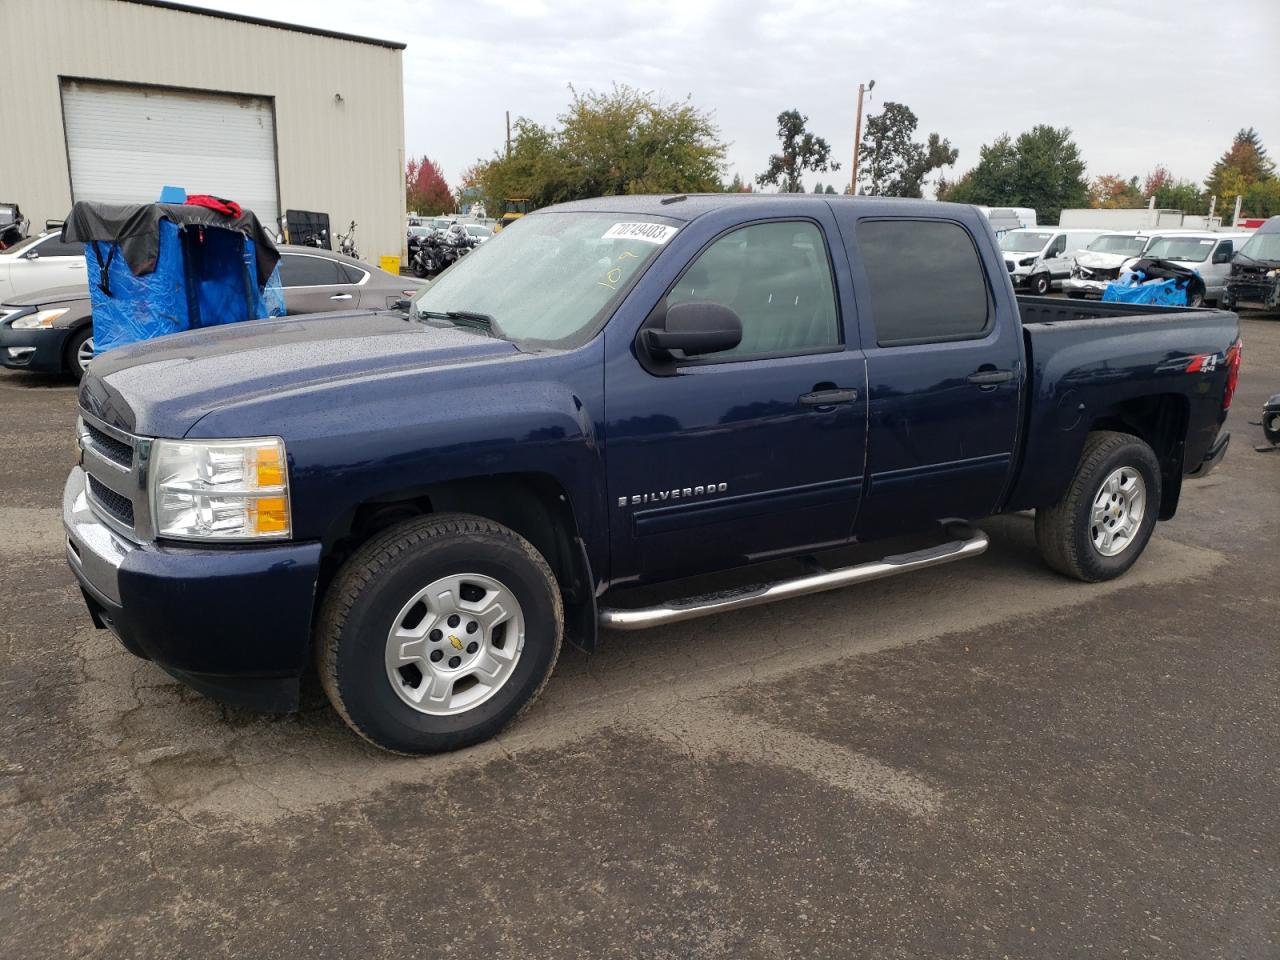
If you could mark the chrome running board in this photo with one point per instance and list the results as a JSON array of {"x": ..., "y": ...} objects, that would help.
[{"x": 641, "y": 618}]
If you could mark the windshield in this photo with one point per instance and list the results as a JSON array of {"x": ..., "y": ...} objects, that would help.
[
  {"x": 1018, "y": 242},
  {"x": 1118, "y": 243},
  {"x": 547, "y": 278},
  {"x": 478, "y": 231},
  {"x": 1193, "y": 249},
  {"x": 1262, "y": 246}
]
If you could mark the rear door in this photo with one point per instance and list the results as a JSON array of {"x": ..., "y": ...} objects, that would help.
[
  {"x": 944, "y": 367},
  {"x": 314, "y": 283}
]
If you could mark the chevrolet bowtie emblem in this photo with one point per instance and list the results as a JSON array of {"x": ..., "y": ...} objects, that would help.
[{"x": 457, "y": 644}]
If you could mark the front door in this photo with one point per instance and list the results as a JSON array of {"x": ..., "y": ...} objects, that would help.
[
  {"x": 49, "y": 264},
  {"x": 944, "y": 363},
  {"x": 751, "y": 453}
]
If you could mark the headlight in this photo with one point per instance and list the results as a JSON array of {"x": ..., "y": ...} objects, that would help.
[
  {"x": 44, "y": 318},
  {"x": 220, "y": 489}
]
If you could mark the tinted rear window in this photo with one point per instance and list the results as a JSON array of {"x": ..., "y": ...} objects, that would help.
[
  {"x": 304, "y": 271},
  {"x": 926, "y": 281}
]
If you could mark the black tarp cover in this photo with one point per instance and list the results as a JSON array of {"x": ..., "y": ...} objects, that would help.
[{"x": 135, "y": 229}]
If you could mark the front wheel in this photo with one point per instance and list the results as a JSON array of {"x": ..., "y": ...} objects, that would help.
[
  {"x": 1195, "y": 296},
  {"x": 1103, "y": 523},
  {"x": 438, "y": 633},
  {"x": 1040, "y": 284}
]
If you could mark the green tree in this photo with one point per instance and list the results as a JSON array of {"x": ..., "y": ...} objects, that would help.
[
  {"x": 1262, "y": 199},
  {"x": 1042, "y": 169},
  {"x": 618, "y": 142},
  {"x": 1243, "y": 165},
  {"x": 896, "y": 166},
  {"x": 1115, "y": 193},
  {"x": 817, "y": 187},
  {"x": 801, "y": 151},
  {"x": 1171, "y": 193},
  {"x": 830, "y": 189}
]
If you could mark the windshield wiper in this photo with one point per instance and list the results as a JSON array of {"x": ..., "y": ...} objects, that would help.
[{"x": 467, "y": 318}]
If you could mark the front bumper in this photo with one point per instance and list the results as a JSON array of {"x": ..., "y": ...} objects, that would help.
[
  {"x": 1212, "y": 458},
  {"x": 1078, "y": 287},
  {"x": 233, "y": 623},
  {"x": 39, "y": 349}
]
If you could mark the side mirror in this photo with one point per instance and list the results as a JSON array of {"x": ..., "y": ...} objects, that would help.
[
  {"x": 1222, "y": 256},
  {"x": 694, "y": 328}
]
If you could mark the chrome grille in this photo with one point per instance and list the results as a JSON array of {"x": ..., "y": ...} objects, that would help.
[
  {"x": 114, "y": 450},
  {"x": 115, "y": 464},
  {"x": 117, "y": 505}
]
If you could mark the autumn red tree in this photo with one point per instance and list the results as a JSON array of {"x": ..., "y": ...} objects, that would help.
[{"x": 426, "y": 190}]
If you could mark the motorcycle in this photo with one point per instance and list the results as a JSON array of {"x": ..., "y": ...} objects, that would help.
[
  {"x": 347, "y": 242},
  {"x": 428, "y": 256}
]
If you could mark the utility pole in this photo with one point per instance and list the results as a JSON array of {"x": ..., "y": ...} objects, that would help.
[
  {"x": 857, "y": 135},
  {"x": 508, "y": 134}
]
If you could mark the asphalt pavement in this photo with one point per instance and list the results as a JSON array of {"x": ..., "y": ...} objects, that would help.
[{"x": 981, "y": 760}]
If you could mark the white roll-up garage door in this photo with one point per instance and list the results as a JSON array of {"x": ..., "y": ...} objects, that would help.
[{"x": 124, "y": 143}]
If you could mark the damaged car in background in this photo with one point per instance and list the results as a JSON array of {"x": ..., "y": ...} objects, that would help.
[{"x": 1255, "y": 271}]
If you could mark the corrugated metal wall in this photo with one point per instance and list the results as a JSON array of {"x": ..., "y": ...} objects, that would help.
[{"x": 345, "y": 158}]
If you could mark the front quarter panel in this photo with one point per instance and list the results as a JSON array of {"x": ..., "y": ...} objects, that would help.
[{"x": 394, "y": 434}]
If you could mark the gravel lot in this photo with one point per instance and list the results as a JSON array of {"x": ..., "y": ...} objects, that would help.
[{"x": 983, "y": 760}]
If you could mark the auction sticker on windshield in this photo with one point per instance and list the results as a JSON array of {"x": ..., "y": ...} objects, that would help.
[{"x": 658, "y": 233}]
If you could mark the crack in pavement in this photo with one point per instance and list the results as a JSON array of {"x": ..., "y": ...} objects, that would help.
[{"x": 225, "y": 767}]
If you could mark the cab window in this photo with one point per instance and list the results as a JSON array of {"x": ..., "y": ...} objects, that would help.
[{"x": 777, "y": 278}]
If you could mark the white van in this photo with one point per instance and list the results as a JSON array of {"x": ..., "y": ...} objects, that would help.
[
  {"x": 1209, "y": 254},
  {"x": 1100, "y": 262},
  {"x": 1037, "y": 257}
]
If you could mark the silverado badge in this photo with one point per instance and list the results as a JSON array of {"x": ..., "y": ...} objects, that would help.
[{"x": 679, "y": 493}]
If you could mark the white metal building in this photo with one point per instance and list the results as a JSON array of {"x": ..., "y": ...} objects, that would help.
[{"x": 111, "y": 100}]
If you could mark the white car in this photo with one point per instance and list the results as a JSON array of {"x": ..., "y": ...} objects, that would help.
[
  {"x": 1038, "y": 257},
  {"x": 41, "y": 263},
  {"x": 1100, "y": 262},
  {"x": 1209, "y": 254}
]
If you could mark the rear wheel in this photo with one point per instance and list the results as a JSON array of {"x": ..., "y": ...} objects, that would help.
[
  {"x": 79, "y": 351},
  {"x": 1103, "y": 523},
  {"x": 438, "y": 633},
  {"x": 1195, "y": 296}
]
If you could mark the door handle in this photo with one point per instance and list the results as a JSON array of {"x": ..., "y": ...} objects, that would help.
[
  {"x": 341, "y": 296},
  {"x": 989, "y": 378},
  {"x": 828, "y": 398}
]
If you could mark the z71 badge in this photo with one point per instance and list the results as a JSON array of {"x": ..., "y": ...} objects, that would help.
[{"x": 679, "y": 493}]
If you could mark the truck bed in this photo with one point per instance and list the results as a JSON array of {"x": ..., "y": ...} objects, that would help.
[{"x": 1090, "y": 362}]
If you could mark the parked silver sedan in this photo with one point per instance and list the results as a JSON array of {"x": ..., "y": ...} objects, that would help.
[{"x": 51, "y": 331}]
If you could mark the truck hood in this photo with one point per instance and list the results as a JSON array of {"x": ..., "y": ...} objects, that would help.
[{"x": 161, "y": 387}]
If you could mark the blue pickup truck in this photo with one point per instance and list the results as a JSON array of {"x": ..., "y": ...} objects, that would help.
[{"x": 617, "y": 393}]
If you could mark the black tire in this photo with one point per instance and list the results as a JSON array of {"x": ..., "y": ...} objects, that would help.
[
  {"x": 370, "y": 589},
  {"x": 71, "y": 351},
  {"x": 1064, "y": 531},
  {"x": 1195, "y": 296},
  {"x": 1041, "y": 284},
  {"x": 419, "y": 270}
]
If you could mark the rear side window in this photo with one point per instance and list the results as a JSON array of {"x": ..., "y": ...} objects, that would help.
[
  {"x": 54, "y": 247},
  {"x": 926, "y": 281},
  {"x": 302, "y": 271}
]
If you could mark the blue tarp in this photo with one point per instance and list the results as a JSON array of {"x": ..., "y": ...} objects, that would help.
[
  {"x": 199, "y": 273},
  {"x": 1132, "y": 287}
]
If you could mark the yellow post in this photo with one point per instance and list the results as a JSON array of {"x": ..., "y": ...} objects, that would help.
[{"x": 390, "y": 264}]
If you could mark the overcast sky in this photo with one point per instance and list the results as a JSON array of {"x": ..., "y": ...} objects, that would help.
[{"x": 1138, "y": 83}]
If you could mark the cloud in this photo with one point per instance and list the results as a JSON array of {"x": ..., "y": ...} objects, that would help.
[{"x": 1138, "y": 85}]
